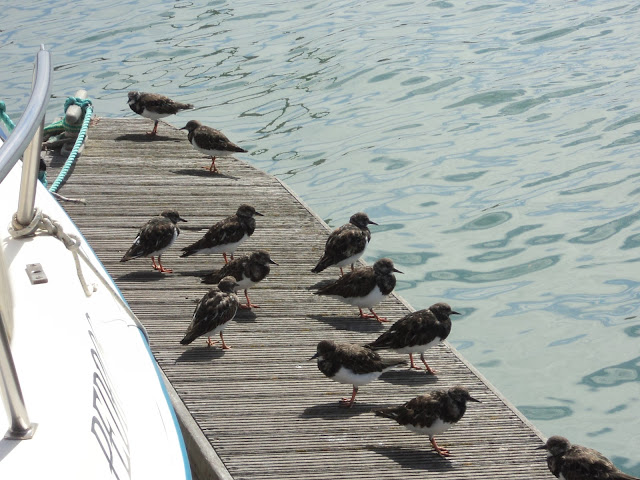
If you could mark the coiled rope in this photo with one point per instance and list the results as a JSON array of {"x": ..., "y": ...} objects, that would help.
[
  {"x": 87, "y": 108},
  {"x": 5, "y": 118}
]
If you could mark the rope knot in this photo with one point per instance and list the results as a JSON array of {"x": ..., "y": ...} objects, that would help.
[{"x": 17, "y": 230}]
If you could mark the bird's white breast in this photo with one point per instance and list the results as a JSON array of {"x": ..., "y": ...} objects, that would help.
[
  {"x": 224, "y": 247},
  {"x": 245, "y": 283},
  {"x": 373, "y": 298},
  {"x": 436, "y": 428},
  {"x": 153, "y": 115},
  {"x": 348, "y": 261},
  {"x": 345, "y": 375}
]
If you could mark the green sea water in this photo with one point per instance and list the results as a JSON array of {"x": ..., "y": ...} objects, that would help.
[{"x": 497, "y": 144}]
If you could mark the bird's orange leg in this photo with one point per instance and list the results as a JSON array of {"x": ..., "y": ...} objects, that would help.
[
  {"x": 443, "y": 452},
  {"x": 155, "y": 129},
  {"x": 224, "y": 345},
  {"x": 373, "y": 315},
  {"x": 413, "y": 365},
  {"x": 342, "y": 274},
  {"x": 429, "y": 369},
  {"x": 224, "y": 255},
  {"x": 348, "y": 403},
  {"x": 248, "y": 305},
  {"x": 212, "y": 168},
  {"x": 161, "y": 269},
  {"x": 153, "y": 260}
]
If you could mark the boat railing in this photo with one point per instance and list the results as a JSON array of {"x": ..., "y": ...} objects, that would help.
[{"x": 25, "y": 141}]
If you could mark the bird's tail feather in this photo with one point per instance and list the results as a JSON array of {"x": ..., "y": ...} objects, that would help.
[
  {"x": 389, "y": 412},
  {"x": 322, "y": 264}
]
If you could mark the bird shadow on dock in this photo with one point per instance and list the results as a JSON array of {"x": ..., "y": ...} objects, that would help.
[
  {"x": 414, "y": 458},
  {"x": 245, "y": 315},
  {"x": 143, "y": 137},
  {"x": 405, "y": 376},
  {"x": 353, "y": 324},
  {"x": 333, "y": 410},
  {"x": 141, "y": 276},
  {"x": 202, "y": 172},
  {"x": 194, "y": 273},
  {"x": 197, "y": 354}
]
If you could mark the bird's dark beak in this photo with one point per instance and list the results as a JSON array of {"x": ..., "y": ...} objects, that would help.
[
  {"x": 455, "y": 313},
  {"x": 271, "y": 261},
  {"x": 372, "y": 222},
  {"x": 259, "y": 214},
  {"x": 541, "y": 447},
  {"x": 397, "y": 271},
  {"x": 183, "y": 128},
  {"x": 474, "y": 399},
  {"x": 315, "y": 356},
  {"x": 181, "y": 219}
]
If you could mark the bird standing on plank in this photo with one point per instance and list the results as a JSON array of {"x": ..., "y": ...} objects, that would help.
[
  {"x": 155, "y": 237},
  {"x": 226, "y": 235},
  {"x": 364, "y": 287},
  {"x": 247, "y": 270},
  {"x": 213, "y": 313},
  {"x": 346, "y": 244},
  {"x": 211, "y": 142},
  {"x": 155, "y": 107},
  {"x": 431, "y": 414},
  {"x": 417, "y": 332},
  {"x": 351, "y": 364}
]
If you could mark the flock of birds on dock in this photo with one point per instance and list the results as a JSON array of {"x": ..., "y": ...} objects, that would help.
[{"x": 364, "y": 287}]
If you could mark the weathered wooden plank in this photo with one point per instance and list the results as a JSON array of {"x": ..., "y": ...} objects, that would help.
[{"x": 267, "y": 410}]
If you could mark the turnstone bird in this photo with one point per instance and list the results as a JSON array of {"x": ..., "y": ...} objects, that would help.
[
  {"x": 417, "y": 332},
  {"x": 352, "y": 364},
  {"x": 214, "y": 311},
  {"x": 247, "y": 270},
  {"x": 155, "y": 237},
  {"x": 431, "y": 414},
  {"x": 346, "y": 244},
  {"x": 210, "y": 141},
  {"x": 575, "y": 462},
  {"x": 155, "y": 106},
  {"x": 364, "y": 287},
  {"x": 226, "y": 235}
]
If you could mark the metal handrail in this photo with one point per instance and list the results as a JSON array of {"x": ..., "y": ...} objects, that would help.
[
  {"x": 31, "y": 119},
  {"x": 25, "y": 139}
]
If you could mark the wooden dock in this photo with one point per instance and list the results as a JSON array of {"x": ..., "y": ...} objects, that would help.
[{"x": 267, "y": 411}]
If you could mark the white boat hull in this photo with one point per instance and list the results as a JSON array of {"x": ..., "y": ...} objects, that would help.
[{"x": 88, "y": 378}]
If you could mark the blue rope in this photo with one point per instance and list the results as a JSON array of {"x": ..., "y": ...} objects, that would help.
[
  {"x": 88, "y": 111},
  {"x": 5, "y": 118}
]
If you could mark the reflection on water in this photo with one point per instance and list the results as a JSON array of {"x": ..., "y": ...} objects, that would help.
[{"x": 495, "y": 144}]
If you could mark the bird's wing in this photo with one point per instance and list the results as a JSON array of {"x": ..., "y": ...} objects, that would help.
[{"x": 352, "y": 284}]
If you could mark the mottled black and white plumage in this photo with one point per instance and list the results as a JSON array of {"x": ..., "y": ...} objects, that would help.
[
  {"x": 154, "y": 106},
  {"x": 210, "y": 141},
  {"x": 214, "y": 311},
  {"x": 431, "y": 414},
  {"x": 364, "y": 287},
  {"x": 155, "y": 237},
  {"x": 575, "y": 462},
  {"x": 346, "y": 244},
  {"x": 225, "y": 236},
  {"x": 351, "y": 364},
  {"x": 247, "y": 270},
  {"x": 417, "y": 332}
]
